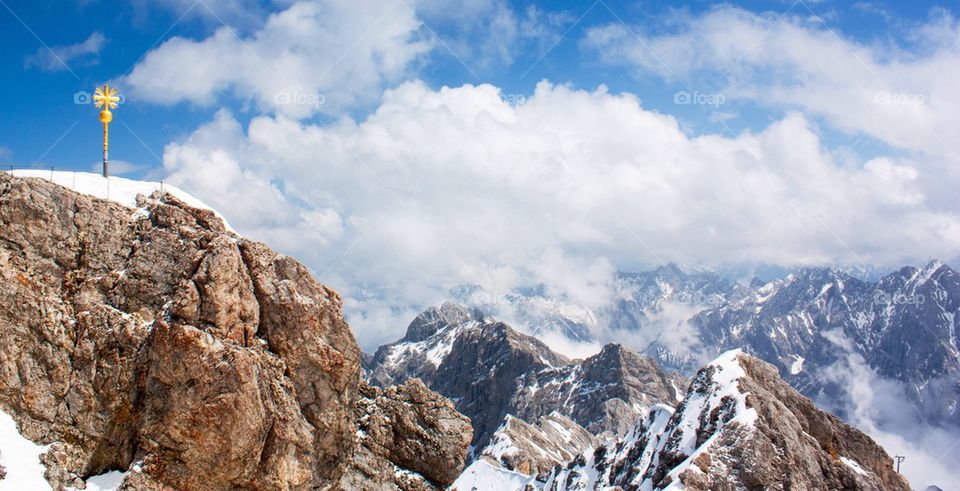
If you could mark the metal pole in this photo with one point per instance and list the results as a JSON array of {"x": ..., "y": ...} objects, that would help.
[
  {"x": 105, "y": 140},
  {"x": 900, "y": 458}
]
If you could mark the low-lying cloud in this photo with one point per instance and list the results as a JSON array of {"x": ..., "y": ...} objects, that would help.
[{"x": 880, "y": 407}]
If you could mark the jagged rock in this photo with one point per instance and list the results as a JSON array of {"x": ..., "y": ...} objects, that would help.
[
  {"x": 482, "y": 371},
  {"x": 156, "y": 342},
  {"x": 418, "y": 432},
  {"x": 740, "y": 426}
]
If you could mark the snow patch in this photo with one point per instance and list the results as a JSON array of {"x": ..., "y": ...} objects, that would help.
[
  {"x": 797, "y": 365},
  {"x": 20, "y": 457},
  {"x": 108, "y": 481},
  {"x": 853, "y": 465},
  {"x": 482, "y": 476}
]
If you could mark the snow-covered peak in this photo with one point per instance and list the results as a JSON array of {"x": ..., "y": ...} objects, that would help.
[{"x": 117, "y": 189}]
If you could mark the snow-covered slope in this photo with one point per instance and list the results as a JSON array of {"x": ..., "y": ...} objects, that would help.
[
  {"x": 117, "y": 189},
  {"x": 811, "y": 323},
  {"x": 483, "y": 475}
]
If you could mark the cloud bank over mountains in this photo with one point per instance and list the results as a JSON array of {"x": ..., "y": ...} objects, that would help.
[
  {"x": 450, "y": 186},
  {"x": 437, "y": 187}
]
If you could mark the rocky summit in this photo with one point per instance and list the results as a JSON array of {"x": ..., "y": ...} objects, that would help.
[{"x": 156, "y": 344}]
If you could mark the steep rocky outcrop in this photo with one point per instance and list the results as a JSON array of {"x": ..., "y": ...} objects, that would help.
[
  {"x": 429, "y": 339},
  {"x": 740, "y": 426},
  {"x": 415, "y": 430},
  {"x": 156, "y": 342}
]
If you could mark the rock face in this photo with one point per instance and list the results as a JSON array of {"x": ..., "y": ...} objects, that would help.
[
  {"x": 412, "y": 428},
  {"x": 490, "y": 371},
  {"x": 429, "y": 339},
  {"x": 155, "y": 342},
  {"x": 740, "y": 426}
]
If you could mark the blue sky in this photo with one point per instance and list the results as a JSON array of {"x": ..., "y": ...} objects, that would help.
[
  {"x": 43, "y": 111},
  {"x": 403, "y": 147}
]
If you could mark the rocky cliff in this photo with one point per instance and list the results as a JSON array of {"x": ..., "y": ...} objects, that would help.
[{"x": 155, "y": 342}]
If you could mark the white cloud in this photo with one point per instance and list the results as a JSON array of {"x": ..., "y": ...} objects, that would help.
[
  {"x": 315, "y": 57},
  {"x": 903, "y": 96},
  {"x": 59, "y": 58},
  {"x": 444, "y": 187},
  {"x": 5, "y": 153}
]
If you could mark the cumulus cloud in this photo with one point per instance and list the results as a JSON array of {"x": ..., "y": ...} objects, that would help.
[
  {"x": 438, "y": 188},
  {"x": 59, "y": 58},
  {"x": 315, "y": 57}
]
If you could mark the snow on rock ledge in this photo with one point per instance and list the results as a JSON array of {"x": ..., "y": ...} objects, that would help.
[{"x": 116, "y": 189}]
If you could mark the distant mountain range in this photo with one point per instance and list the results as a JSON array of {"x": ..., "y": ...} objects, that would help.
[{"x": 811, "y": 324}]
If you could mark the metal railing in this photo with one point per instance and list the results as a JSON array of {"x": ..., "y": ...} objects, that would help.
[{"x": 12, "y": 168}]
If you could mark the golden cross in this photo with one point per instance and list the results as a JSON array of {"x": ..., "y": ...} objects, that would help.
[{"x": 106, "y": 97}]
